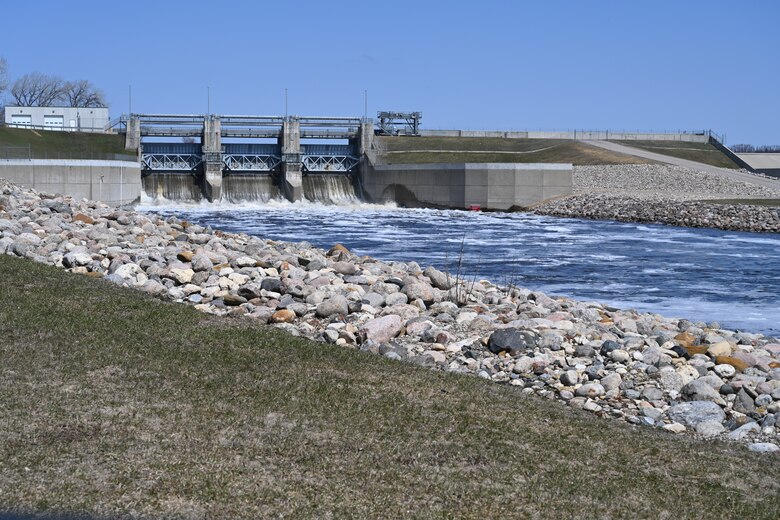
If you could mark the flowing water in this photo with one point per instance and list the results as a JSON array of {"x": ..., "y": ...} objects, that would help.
[
  {"x": 330, "y": 189},
  {"x": 171, "y": 186},
  {"x": 699, "y": 274},
  {"x": 237, "y": 188}
]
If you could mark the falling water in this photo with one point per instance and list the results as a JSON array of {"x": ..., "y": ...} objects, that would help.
[
  {"x": 172, "y": 186},
  {"x": 238, "y": 188},
  {"x": 329, "y": 189}
]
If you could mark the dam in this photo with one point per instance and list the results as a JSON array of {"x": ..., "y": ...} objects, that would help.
[{"x": 236, "y": 158}]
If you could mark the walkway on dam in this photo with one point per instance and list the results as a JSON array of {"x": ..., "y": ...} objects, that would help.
[{"x": 736, "y": 175}]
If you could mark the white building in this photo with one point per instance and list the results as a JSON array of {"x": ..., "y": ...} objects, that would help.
[{"x": 67, "y": 119}]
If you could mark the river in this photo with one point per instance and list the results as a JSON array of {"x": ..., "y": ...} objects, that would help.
[{"x": 700, "y": 274}]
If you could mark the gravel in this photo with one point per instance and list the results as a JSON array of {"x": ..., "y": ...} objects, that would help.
[
  {"x": 664, "y": 194},
  {"x": 640, "y": 368}
]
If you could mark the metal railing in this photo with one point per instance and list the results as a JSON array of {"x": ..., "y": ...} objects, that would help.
[{"x": 52, "y": 128}]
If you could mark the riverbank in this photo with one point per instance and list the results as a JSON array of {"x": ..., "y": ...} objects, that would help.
[
  {"x": 640, "y": 368},
  {"x": 666, "y": 195},
  {"x": 120, "y": 405}
]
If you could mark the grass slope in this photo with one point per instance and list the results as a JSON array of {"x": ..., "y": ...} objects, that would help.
[
  {"x": 417, "y": 150},
  {"x": 699, "y": 152},
  {"x": 59, "y": 145},
  {"x": 114, "y": 403}
]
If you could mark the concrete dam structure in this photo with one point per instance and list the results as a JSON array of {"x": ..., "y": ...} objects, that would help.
[{"x": 328, "y": 159}]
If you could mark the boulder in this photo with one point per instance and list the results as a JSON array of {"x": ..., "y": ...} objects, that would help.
[
  {"x": 721, "y": 348},
  {"x": 76, "y": 258},
  {"x": 611, "y": 381},
  {"x": 245, "y": 261},
  {"x": 738, "y": 364},
  {"x": 344, "y": 268},
  {"x": 234, "y": 299},
  {"x": 271, "y": 284},
  {"x": 335, "y": 305},
  {"x": 86, "y": 219},
  {"x": 338, "y": 250},
  {"x": 283, "y": 316},
  {"x": 185, "y": 256},
  {"x": 250, "y": 291},
  {"x": 512, "y": 341},
  {"x": 418, "y": 290},
  {"x": 694, "y": 412},
  {"x": 182, "y": 276},
  {"x": 201, "y": 263},
  {"x": 590, "y": 390},
  {"x": 698, "y": 390},
  {"x": 382, "y": 330},
  {"x": 438, "y": 279}
]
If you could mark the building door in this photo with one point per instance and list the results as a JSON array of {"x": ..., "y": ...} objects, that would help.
[
  {"x": 21, "y": 119},
  {"x": 53, "y": 121}
]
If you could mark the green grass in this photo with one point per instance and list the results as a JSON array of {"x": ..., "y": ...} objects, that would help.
[
  {"x": 59, "y": 145},
  {"x": 418, "y": 150},
  {"x": 115, "y": 403},
  {"x": 699, "y": 152},
  {"x": 749, "y": 202}
]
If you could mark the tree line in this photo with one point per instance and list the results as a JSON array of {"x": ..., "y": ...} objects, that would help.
[
  {"x": 749, "y": 148},
  {"x": 42, "y": 90}
]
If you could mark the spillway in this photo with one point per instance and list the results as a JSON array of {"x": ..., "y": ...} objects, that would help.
[
  {"x": 240, "y": 188},
  {"x": 172, "y": 186},
  {"x": 330, "y": 189}
]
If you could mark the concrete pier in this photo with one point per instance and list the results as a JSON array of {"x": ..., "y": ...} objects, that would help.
[
  {"x": 212, "y": 159},
  {"x": 365, "y": 138},
  {"x": 292, "y": 166},
  {"x": 133, "y": 135}
]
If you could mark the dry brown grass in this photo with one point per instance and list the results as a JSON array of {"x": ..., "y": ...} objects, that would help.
[
  {"x": 416, "y": 150},
  {"x": 699, "y": 152},
  {"x": 116, "y": 404}
]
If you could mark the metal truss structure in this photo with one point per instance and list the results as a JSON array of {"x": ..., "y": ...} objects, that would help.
[
  {"x": 251, "y": 163},
  {"x": 330, "y": 163},
  {"x": 329, "y": 158},
  {"x": 171, "y": 162},
  {"x": 241, "y": 126},
  {"x": 189, "y": 156},
  {"x": 399, "y": 123}
]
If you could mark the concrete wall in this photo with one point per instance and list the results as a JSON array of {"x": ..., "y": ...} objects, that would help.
[
  {"x": 766, "y": 163},
  {"x": 112, "y": 182},
  {"x": 583, "y": 135},
  {"x": 492, "y": 186},
  {"x": 74, "y": 118}
]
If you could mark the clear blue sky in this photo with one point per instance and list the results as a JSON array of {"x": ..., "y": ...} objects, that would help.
[{"x": 650, "y": 65}]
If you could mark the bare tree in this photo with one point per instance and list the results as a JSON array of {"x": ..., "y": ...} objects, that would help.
[
  {"x": 37, "y": 90},
  {"x": 82, "y": 93},
  {"x": 749, "y": 148},
  {"x": 3, "y": 74}
]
